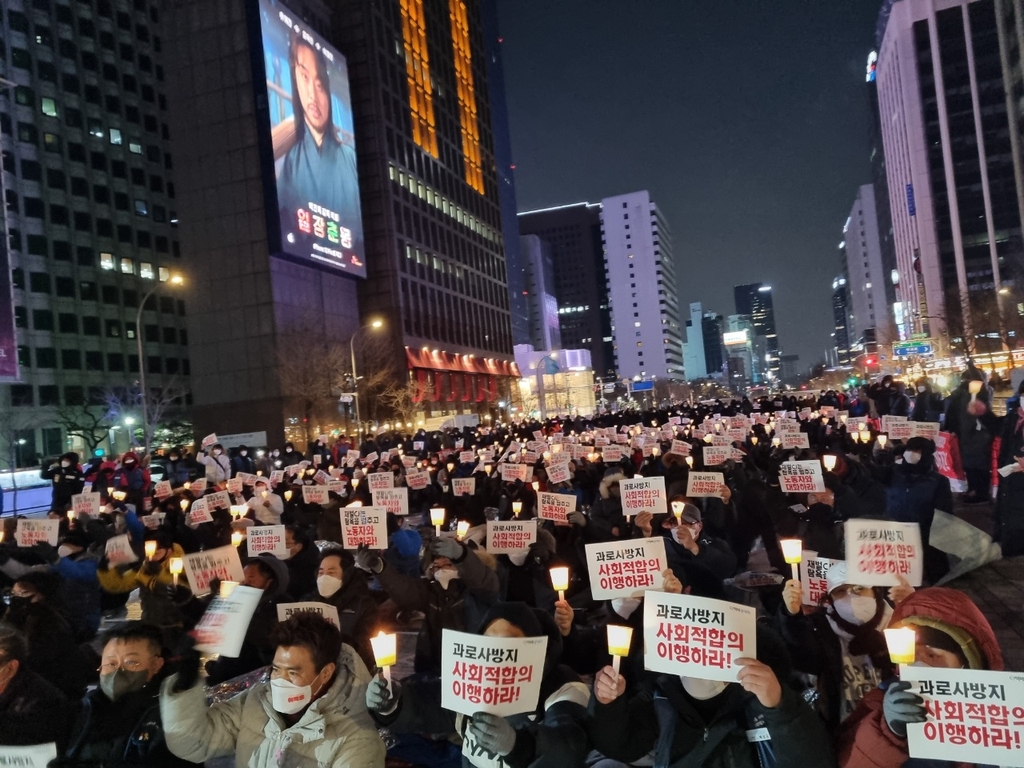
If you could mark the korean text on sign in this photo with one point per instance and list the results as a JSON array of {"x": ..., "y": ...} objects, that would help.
[
  {"x": 500, "y": 675},
  {"x": 974, "y": 716},
  {"x": 31, "y": 532},
  {"x": 555, "y": 506},
  {"x": 813, "y": 576},
  {"x": 878, "y": 552},
  {"x": 643, "y": 494},
  {"x": 510, "y": 536},
  {"x": 626, "y": 568},
  {"x": 202, "y": 567},
  {"x": 696, "y": 636},
  {"x": 364, "y": 526},
  {"x": 704, "y": 484},
  {"x": 266, "y": 538},
  {"x": 801, "y": 477},
  {"x": 394, "y": 500}
]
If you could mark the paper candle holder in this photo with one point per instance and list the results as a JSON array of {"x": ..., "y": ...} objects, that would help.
[
  {"x": 227, "y": 587},
  {"x": 517, "y": 507},
  {"x": 385, "y": 649},
  {"x": 150, "y": 548},
  {"x": 902, "y": 644},
  {"x": 619, "y": 640},
  {"x": 792, "y": 553},
  {"x": 829, "y": 460},
  {"x": 462, "y": 529},
  {"x": 236, "y": 538},
  {"x": 560, "y": 580}
]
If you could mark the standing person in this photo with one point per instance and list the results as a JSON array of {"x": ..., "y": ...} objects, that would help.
[
  {"x": 132, "y": 478},
  {"x": 311, "y": 712},
  {"x": 881, "y": 395},
  {"x": 927, "y": 402},
  {"x": 176, "y": 469},
  {"x": 914, "y": 489},
  {"x": 218, "y": 466},
  {"x": 66, "y": 478},
  {"x": 969, "y": 416},
  {"x": 242, "y": 462},
  {"x": 899, "y": 403}
]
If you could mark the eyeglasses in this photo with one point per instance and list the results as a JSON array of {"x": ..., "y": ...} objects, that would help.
[{"x": 128, "y": 665}]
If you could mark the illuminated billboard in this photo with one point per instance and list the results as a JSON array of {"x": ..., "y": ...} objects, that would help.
[
  {"x": 309, "y": 111},
  {"x": 734, "y": 337}
]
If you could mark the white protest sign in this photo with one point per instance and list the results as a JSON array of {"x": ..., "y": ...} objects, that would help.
[
  {"x": 418, "y": 445},
  {"x": 200, "y": 512},
  {"x": 643, "y": 494},
  {"x": 86, "y": 503},
  {"x": 463, "y": 486},
  {"x": 626, "y": 568},
  {"x": 153, "y": 521},
  {"x": 505, "y": 536},
  {"x": 555, "y": 506},
  {"x": 467, "y": 457},
  {"x": 877, "y": 551},
  {"x": 219, "y": 500},
  {"x": 696, "y": 636},
  {"x": 559, "y": 473},
  {"x": 897, "y": 427},
  {"x": 380, "y": 481},
  {"x": 499, "y": 675},
  {"x": 315, "y": 494},
  {"x": 612, "y": 454},
  {"x": 393, "y": 500},
  {"x": 801, "y": 477},
  {"x": 715, "y": 454},
  {"x": 786, "y": 427},
  {"x": 417, "y": 479},
  {"x": 163, "y": 490},
  {"x": 35, "y": 756},
  {"x": 795, "y": 441},
  {"x": 699, "y": 484},
  {"x": 974, "y": 717},
  {"x": 234, "y": 485},
  {"x": 364, "y": 526},
  {"x": 119, "y": 550},
  {"x": 928, "y": 429},
  {"x": 266, "y": 538},
  {"x": 202, "y": 567},
  {"x": 813, "y": 573},
  {"x": 512, "y": 472},
  {"x": 209, "y": 440},
  {"x": 222, "y": 628},
  {"x": 680, "y": 448},
  {"x": 30, "y": 532},
  {"x": 286, "y": 610}
]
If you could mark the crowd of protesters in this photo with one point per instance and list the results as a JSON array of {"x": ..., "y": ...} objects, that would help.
[{"x": 820, "y": 692}]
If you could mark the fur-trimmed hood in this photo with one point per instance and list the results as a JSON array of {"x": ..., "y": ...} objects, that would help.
[{"x": 613, "y": 475}]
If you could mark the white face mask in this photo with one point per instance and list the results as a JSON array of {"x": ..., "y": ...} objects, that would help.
[
  {"x": 624, "y": 606},
  {"x": 702, "y": 690},
  {"x": 856, "y": 609},
  {"x": 288, "y": 698},
  {"x": 518, "y": 558},
  {"x": 911, "y": 457},
  {"x": 65, "y": 551},
  {"x": 216, "y": 453},
  {"x": 327, "y": 585},
  {"x": 244, "y": 453},
  {"x": 922, "y": 389},
  {"x": 65, "y": 463},
  {"x": 444, "y": 576}
]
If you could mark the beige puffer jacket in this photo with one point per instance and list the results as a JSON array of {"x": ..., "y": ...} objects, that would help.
[{"x": 335, "y": 732}]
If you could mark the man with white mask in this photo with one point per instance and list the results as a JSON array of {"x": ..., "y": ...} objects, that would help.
[{"x": 311, "y": 712}]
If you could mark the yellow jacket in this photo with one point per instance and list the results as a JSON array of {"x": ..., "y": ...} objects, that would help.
[{"x": 113, "y": 580}]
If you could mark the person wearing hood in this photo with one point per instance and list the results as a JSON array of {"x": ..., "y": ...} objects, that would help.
[
  {"x": 176, "y": 469},
  {"x": 312, "y": 711},
  {"x": 218, "y": 466},
  {"x": 266, "y": 505},
  {"x": 66, "y": 478},
  {"x": 688, "y": 722},
  {"x": 457, "y": 590},
  {"x": 32, "y": 711},
  {"x": 952, "y": 633},
  {"x": 969, "y": 416},
  {"x": 841, "y": 643},
  {"x": 685, "y": 541},
  {"x": 340, "y": 584},
  {"x": 120, "y": 722},
  {"x": 899, "y": 404},
  {"x": 818, "y": 525},
  {"x": 606, "y": 521},
  {"x": 914, "y": 489},
  {"x": 881, "y": 395},
  {"x": 927, "y": 402},
  {"x": 132, "y": 478},
  {"x": 269, "y": 574},
  {"x": 302, "y": 561},
  {"x": 554, "y": 733},
  {"x": 242, "y": 462}
]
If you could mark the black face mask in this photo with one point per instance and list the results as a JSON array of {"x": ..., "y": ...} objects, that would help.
[{"x": 18, "y": 611}]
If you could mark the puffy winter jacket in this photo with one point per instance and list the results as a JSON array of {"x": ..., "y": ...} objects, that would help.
[{"x": 161, "y": 603}]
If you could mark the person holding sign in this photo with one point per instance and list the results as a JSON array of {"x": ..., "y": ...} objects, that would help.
[
  {"x": 553, "y": 729},
  {"x": 606, "y": 521},
  {"x": 66, "y": 479},
  {"x": 218, "y": 466},
  {"x": 914, "y": 489},
  {"x": 952, "y": 633},
  {"x": 311, "y": 712},
  {"x": 266, "y": 505},
  {"x": 685, "y": 541}
]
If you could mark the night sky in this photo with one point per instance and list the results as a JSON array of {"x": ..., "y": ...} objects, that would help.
[{"x": 746, "y": 120}]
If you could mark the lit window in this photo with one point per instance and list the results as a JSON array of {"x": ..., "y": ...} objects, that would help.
[
  {"x": 127, "y": 266},
  {"x": 106, "y": 261},
  {"x": 49, "y": 107},
  {"x": 163, "y": 274},
  {"x": 146, "y": 270},
  {"x": 115, "y": 136},
  {"x": 637, "y": 324},
  {"x": 141, "y": 209},
  {"x": 417, "y": 71},
  {"x": 134, "y": 148}
]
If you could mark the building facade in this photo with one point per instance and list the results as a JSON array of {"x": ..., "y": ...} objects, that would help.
[
  {"x": 713, "y": 329},
  {"x": 642, "y": 290},
  {"x": 755, "y": 301},
  {"x": 90, "y": 220},
  {"x": 862, "y": 251},
  {"x": 694, "y": 363},
  {"x": 539, "y": 286},
  {"x": 841, "y": 320}
]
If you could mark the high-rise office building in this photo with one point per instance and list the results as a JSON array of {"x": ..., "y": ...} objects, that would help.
[
  {"x": 949, "y": 163},
  {"x": 883, "y": 213},
  {"x": 841, "y": 320},
  {"x": 89, "y": 213},
  {"x": 713, "y": 328},
  {"x": 694, "y": 364},
  {"x": 574, "y": 234},
  {"x": 642, "y": 289},
  {"x": 861, "y": 248},
  {"x": 744, "y": 368},
  {"x": 541, "y": 304},
  {"x": 755, "y": 301}
]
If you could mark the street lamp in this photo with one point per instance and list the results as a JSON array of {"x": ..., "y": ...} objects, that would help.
[
  {"x": 174, "y": 280},
  {"x": 374, "y": 325}
]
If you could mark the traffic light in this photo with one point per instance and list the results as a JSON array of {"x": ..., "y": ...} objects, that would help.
[{"x": 869, "y": 361}]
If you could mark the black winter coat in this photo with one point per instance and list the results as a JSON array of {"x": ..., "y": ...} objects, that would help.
[{"x": 34, "y": 712}]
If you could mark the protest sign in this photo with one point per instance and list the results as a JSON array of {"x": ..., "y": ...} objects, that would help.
[
  {"x": 928, "y": 429},
  {"x": 612, "y": 454},
  {"x": 247, "y": 478},
  {"x": 696, "y": 636},
  {"x": 30, "y": 532},
  {"x": 315, "y": 494},
  {"x": 467, "y": 457},
  {"x": 286, "y": 610},
  {"x": 198, "y": 487},
  {"x": 737, "y": 435},
  {"x": 393, "y": 500},
  {"x": 364, "y": 526},
  {"x": 512, "y": 472},
  {"x": 680, "y": 448},
  {"x": 786, "y": 427},
  {"x": 795, "y": 441},
  {"x": 700, "y": 484},
  {"x": 219, "y": 500},
  {"x": 200, "y": 512},
  {"x": 209, "y": 440},
  {"x": 975, "y": 717},
  {"x": 555, "y": 506},
  {"x": 234, "y": 485},
  {"x": 202, "y": 567},
  {"x": 119, "y": 550},
  {"x": 417, "y": 479},
  {"x": 643, "y": 494},
  {"x": 813, "y": 573},
  {"x": 801, "y": 477},
  {"x": 559, "y": 473},
  {"x": 222, "y": 628},
  {"x": 626, "y": 568},
  {"x": 716, "y": 454},
  {"x": 897, "y": 427},
  {"x": 463, "y": 486},
  {"x": 321, "y": 477},
  {"x": 35, "y": 756},
  {"x": 86, "y": 504},
  {"x": 500, "y": 675},
  {"x": 505, "y": 536},
  {"x": 418, "y": 445},
  {"x": 877, "y": 551},
  {"x": 721, "y": 441},
  {"x": 380, "y": 481},
  {"x": 266, "y": 538},
  {"x": 277, "y": 476},
  {"x": 154, "y": 521},
  {"x": 163, "y": 490}
]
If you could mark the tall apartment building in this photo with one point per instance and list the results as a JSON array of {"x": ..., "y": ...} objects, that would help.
[
  {"x": 89, "y": 210},
  {"x": 574, "y": 234},
  {"x": 953, "y": 188},
  {"x": 862, "y": 250},
  {"x": 755, "y": 301}
]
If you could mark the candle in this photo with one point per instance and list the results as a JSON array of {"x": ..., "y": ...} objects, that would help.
[
  {"x": 517, "y": 507},
  {"x": 901, "y": 643},
  {"x": 753, "y": 440},
  {"x": 184, "y": 504},
  {"x": 177, "y": 565},
  {"x": 462, "y": 529},
  {"x": 974, "y": 388},
  {"x": 855, "y": 436},
  {"x": 829, "y": 461},
  {"x": 560, "y": 580},
  {"x": 236, "y": 538},
  {"x": 792, "y": 553},
  {"x": 619, "y": 639},
  {"x": 385, "y": 653},
  {"x": 450, "y": 465},
  {"x": 843, "y": 417},
  {"x": 110, "y": 490},
  {"x": 882, "y": 440},
  {"x": 677, "y": 510},
  {"x": 72, "y": 514},
  {"x": 708, "y": 438},
  {"x": 536, "y": 485},
  {"x": 263, "y": 494},
  {"x": 227, "y": 587},
  {"x": 437, "y": 519},
  {"x": 355, "y": 483},
  {"x": 187, "y": 485},
  {"x": 487, "y": 469},
  {"x": 119, "y": 495},
  {"x": 689, "y": 461},
  {"x": 865, "y": 436},
  {"x": 150, "y": 549},
  {"x": 288, "y": 495},
  {"x": 776, "y": 441}
]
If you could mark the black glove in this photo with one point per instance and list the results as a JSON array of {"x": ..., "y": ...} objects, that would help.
[
  {"x": 368, "y": 560},
  {"x": 445, "y": 547},
  {"x": 46, "y": 551},
  {"x": 187, "y": 662}
]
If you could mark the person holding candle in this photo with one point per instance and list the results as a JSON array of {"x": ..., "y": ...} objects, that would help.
[
  {"x": 951, "y": 632},
  {"x": 133, "y": 478},
  {"x": 685, "y": 541},
  {"x": 266, "y": 506},
  {"x": 606, "y": 521},
  {"x": 969, "y": 416}
]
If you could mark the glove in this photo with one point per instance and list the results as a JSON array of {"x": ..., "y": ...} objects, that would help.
[
  {"x": 493, "y": 733},
  {"x": 449, "y": 548},
  {"x": 46, "y": 551},
  {"x": 578, "y": 518},
  {"x": 901, "y": 706},
  {"x": 368, "y": 560},
  {"x": 379, "y": 699},
  {"x": 187, "y": 662}
]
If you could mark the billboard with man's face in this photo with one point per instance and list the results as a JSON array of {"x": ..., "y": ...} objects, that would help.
[{"x": 310, "y": 114}]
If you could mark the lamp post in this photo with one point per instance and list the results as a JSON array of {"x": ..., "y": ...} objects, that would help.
[
  {"x": 355, "y": 379},
  {"x": 174, "y": 280}
]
